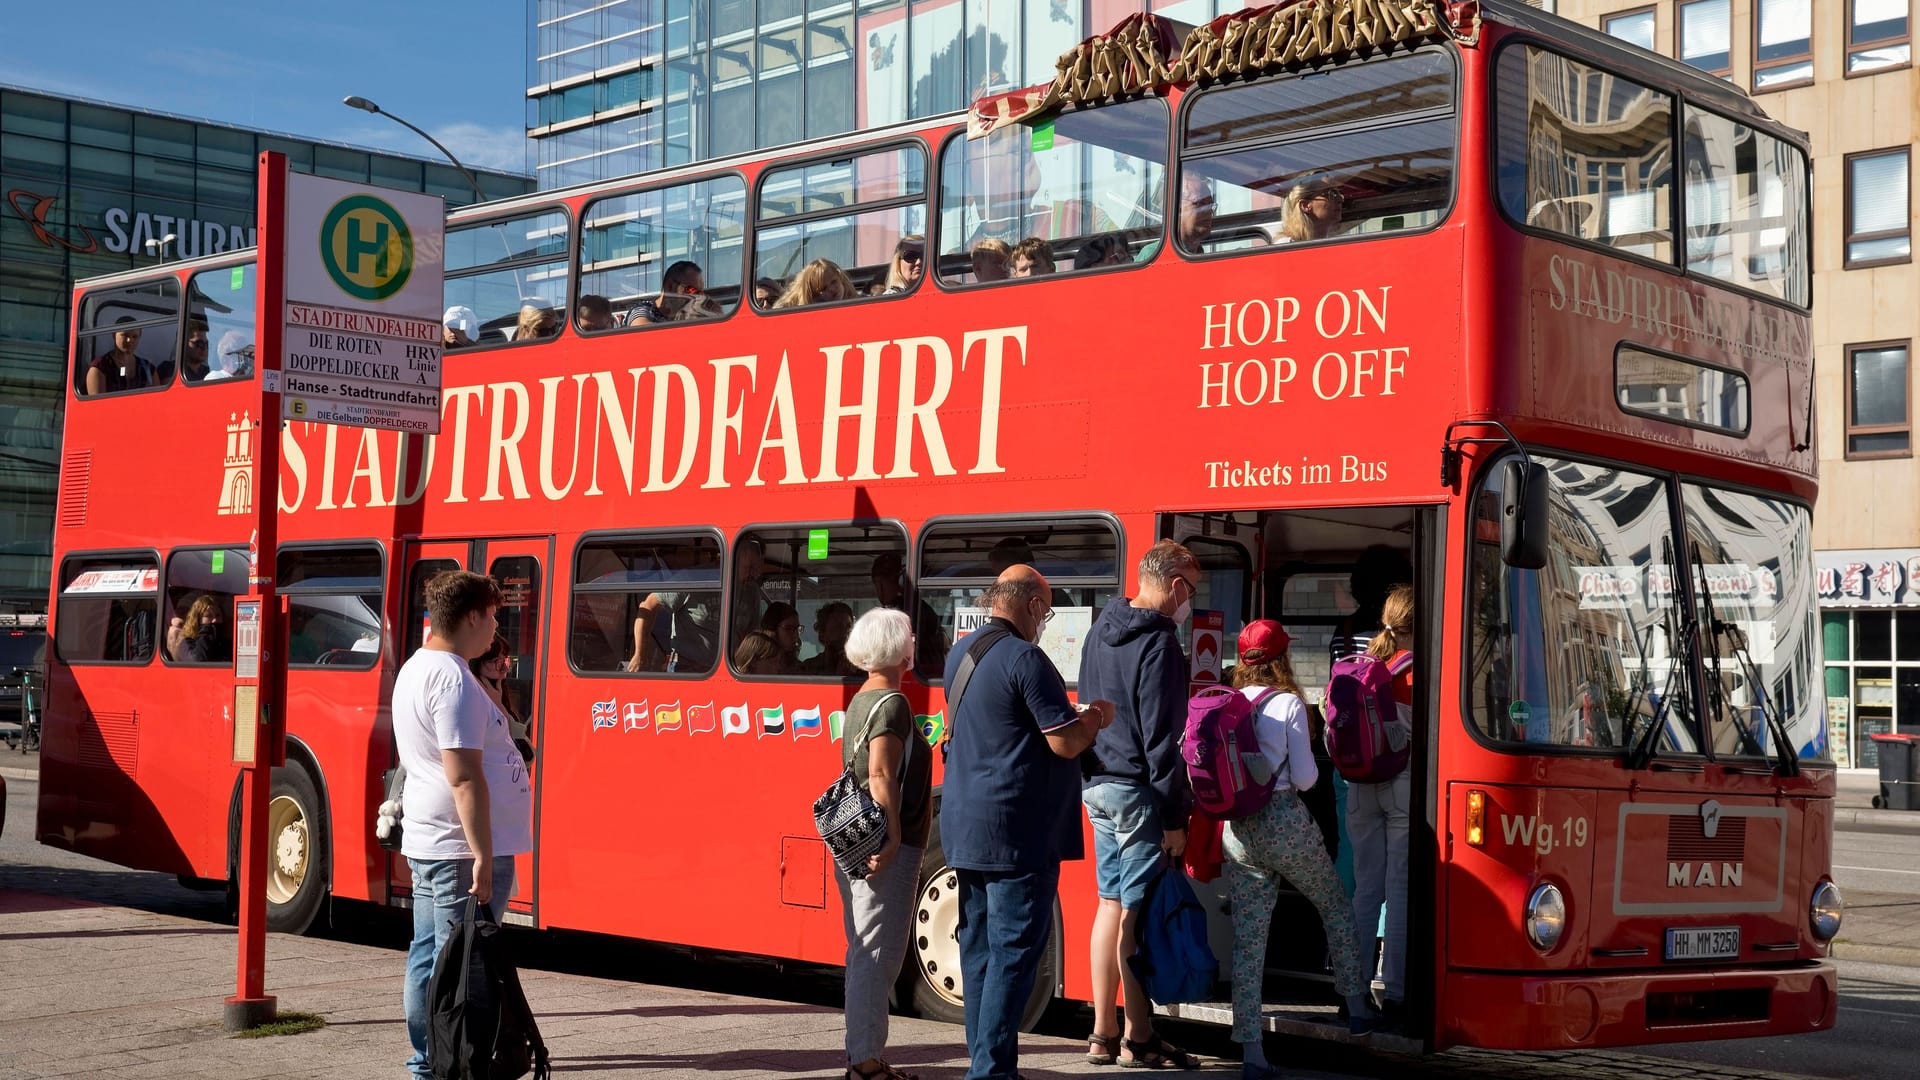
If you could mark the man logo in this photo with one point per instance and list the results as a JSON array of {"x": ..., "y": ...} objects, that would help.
[{"x": 1710, "y": 818}]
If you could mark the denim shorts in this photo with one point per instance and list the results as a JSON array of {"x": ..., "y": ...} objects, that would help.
[{"x": 1126, "y": 840}]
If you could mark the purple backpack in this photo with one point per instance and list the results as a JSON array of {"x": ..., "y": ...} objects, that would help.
[
  {"x": 1358, "y": 707},
  {"x": 1230, "y": 777}
]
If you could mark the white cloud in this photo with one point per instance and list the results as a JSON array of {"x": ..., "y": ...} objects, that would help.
[{"x": 484, "y": 147}]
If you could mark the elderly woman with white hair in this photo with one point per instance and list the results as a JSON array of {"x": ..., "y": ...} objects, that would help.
[{"x": 885, "y": 749}]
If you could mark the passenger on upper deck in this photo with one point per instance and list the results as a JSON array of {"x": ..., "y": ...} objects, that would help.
[
  {"x": 683, "y": 281},
  {"x": 909, "y": 257},
  {"x": 536, "y": 322},
  {"x": 119, "y": 368},
  {"x": 194, "y": 365},
  {"x": 1107, "y": 249},
  {"x": 765, "y": 292},
  {"x": 460, "y": 327},
  {"x": 1314, "y": 208},
  {"x": 1032, "y": 257},
  {"x": 991, "y": 260},
  {"x": 236, "y": 356},
  {"x": 1196, "y": 210},
  {"x": 819, "y": 282},
  {"x": 593, "y": 313}
]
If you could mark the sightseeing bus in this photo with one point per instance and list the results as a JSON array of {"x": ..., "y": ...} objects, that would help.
[{"x": 1518, "y": 304}]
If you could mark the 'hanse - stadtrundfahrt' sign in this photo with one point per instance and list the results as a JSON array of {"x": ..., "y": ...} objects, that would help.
[{"x": 362, "y": 332}]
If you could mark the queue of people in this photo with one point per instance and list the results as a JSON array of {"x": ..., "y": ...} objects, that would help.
[{"x": 1024, "y": 760}]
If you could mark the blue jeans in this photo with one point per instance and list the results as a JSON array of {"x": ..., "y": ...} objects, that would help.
[
  {"x": 439, "y": 892},
  {"x": 1004, "y": 923}
]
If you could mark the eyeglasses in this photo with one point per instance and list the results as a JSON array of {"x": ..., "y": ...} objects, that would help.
[
  {"x": 911, "y": 256},
  {"x": 1192, "y": 583},
  {"x": 690, "y": 290},
  {"x": 1330, "y": 196}
]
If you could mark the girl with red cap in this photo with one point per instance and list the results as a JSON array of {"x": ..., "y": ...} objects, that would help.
[{"x": 1282, "y": 840}]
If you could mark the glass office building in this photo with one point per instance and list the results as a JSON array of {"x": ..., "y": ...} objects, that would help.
[
  {"x": 86, "y": 186},
  {"x": 618, "y": 87}
]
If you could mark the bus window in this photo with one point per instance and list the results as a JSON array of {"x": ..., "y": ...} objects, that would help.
[
  {"x": 519, "y": 618},
  {"x": 1681, "y": 391},
  {"x": 416, "y": 615},
  {"x": 127, "y": 338},
  {"x": 1079, "y": 557},
  {"x": 1584, "y": 153},
  {"x": 1746, "y": 207},
  {"x": 109, "y": 609},
  {"x": 333, "y": 605},
  {"x": 1345, "y": 153},
  {"x": 646, "y": 604},
  {"x": 506, "y": 281},
  {"x": 1581, "y": 653},
  {"x": 1750, "y": 559},
  {"x": 219, "y": 341},
  {"x": 669, "y": 255},
  {"x": 797, "y": 591},
  {"x": 828, "y": 228},
  {"x": 201, "y": 585},
  {"x": 1089, "y": 185}
]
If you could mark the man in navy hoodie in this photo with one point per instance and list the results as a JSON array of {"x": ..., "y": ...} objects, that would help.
[{"x": 1135, "y": 787}]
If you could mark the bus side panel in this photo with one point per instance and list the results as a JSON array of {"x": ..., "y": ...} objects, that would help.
[
  {"x": 696, "y": 839},
  {"x": 113, "y": 784},
  {"x": 336, "y": 715}
]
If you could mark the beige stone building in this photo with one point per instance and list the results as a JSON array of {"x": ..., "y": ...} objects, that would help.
[{"x": 1841, "y": 70}]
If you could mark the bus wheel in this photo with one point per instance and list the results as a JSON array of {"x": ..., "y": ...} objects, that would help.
[
  {"x": 931, "y": 981},
  {"x": 297, "y": 850}
]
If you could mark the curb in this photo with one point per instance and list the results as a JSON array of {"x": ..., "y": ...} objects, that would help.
[
  {"x": 1877, "y": 821},
  {"x": 20, "y": 774},
  {"x": 1896, "y": 955}
]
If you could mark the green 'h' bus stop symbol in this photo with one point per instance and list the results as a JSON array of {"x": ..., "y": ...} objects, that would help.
[{"x": 366, "y": 248}]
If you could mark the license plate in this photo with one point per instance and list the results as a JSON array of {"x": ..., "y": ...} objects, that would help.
[{"x": 1703, "y": 943}]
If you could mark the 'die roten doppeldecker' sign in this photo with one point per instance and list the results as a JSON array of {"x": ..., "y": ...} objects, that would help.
[{"x": 362, "y": 327}]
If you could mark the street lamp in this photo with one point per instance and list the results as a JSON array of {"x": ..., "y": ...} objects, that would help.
[
  {"x": 358, "y": 102},
  {"x": 159, "y": 246}
]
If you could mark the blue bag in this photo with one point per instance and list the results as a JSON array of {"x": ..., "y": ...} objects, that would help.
[{"x": 1175, "y": 963}]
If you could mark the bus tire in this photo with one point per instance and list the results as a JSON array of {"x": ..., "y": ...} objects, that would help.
[
  {"x": 930, "y": 979},
  {"x": 297, "y": 851}
]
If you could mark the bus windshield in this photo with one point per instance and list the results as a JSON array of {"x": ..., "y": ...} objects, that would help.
[{"x": 1595, "y": 649}]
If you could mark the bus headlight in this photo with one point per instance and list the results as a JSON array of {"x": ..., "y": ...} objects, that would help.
[
  {"x": 1823, "y": 914},
  {"x": 1546, "y": 917}
]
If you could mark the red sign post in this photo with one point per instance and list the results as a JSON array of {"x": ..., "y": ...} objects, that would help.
[{"x": 259, "y": 693}]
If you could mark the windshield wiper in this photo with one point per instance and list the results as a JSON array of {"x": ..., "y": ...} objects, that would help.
[
  {"x": 1786, "y": 763},
  {"x": 1643, "y": 748}
]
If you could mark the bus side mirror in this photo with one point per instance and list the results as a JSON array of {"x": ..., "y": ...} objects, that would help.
[{"x": 1523, "y": 515}]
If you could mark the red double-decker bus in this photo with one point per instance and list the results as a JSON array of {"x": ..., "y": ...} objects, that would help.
[{"x": 1521, "y": 305}]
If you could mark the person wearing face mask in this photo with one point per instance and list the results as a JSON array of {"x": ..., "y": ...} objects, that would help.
[{"x": 1136, "y": 790}]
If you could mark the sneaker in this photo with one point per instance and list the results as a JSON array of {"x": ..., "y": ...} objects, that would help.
[
  {"x": 1360, "y": 1016},
  {"x": 1260, "y": 1072}
]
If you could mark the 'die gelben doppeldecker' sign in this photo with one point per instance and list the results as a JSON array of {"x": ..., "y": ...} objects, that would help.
[{"x": 362, "y": 329}]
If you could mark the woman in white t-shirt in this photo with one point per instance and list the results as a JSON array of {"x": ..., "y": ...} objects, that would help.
[{"x": 1282, "y": 840}]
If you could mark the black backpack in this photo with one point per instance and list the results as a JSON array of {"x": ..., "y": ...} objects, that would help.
[{"x": 479, "y": 1024}]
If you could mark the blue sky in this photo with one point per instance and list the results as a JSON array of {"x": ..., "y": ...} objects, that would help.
[{"x": 454, "y": 67}]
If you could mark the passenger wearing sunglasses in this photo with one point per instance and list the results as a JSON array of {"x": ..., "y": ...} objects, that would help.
[
  {"x": 1314, "y": 208},
  {"x": 909, "y": 258},
  {"x": 680, "y": 286}
]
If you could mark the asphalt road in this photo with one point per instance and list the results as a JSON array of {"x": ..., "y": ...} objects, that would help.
[{"x": 1879, "y": 1005}]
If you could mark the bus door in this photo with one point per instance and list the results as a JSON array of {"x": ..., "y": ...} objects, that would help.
[
  {"x": 520, "y": 566},
  {"x": 1299, "y": 566}
]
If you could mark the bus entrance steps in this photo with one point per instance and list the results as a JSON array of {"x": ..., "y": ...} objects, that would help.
[{"x": 1298, "y": 1019}]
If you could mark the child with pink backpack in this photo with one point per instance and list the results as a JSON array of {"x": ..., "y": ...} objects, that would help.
[
  {"x": 1270, "y": 834},
  {"x": 1369, "y": 713}
]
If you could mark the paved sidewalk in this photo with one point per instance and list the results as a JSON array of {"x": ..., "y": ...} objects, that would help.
[{"x": 117, "y": 994}]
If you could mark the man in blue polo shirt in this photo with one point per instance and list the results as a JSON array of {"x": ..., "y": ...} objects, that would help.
[{"x": 1010, "y": 812}]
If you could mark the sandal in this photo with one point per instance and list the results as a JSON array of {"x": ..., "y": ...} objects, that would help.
[
  {"x": 1157, "y": 1053},
  {"x": 1109, "y": 1043}
]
